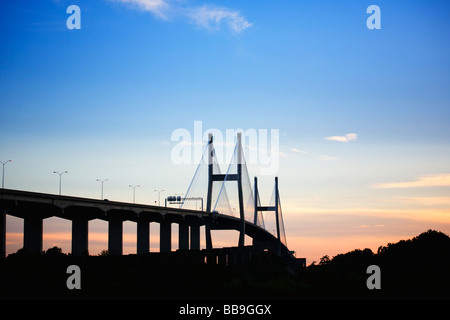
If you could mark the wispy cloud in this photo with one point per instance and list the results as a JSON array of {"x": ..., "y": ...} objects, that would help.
[
  {"x": 212, "y": 18},
  {"x": 439, "y": 180},
  {"x": 299, "y": 151},
  {"x": 348, "y": 137},
  {"x": 327, "y": 158},
  {"x": 427, "y": 201},
  {"x": 157, "y": 7},
  {"x": 370, "y": 226},
  {"x": 323, "y": 157},
  {"x": 207, "y": 17}
]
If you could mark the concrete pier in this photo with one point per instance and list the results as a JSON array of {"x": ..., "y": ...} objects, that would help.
[
  {"x": 2, "y": 234},
  {"x": 80, "y": 236},
  {"x": 115, "y": 236},
  {"x": 165, "y": 236},
  {"x": 195, "y": 236},
  {"x": 183, "y": 236},
  {"x": 32, "y": 233},
  {"x": 143, "y": 236}
]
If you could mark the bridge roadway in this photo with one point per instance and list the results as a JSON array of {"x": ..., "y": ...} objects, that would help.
[{"x": 34, "y": 207}]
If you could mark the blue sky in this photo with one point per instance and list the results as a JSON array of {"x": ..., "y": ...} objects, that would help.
[{"x": 102, "y": 101}]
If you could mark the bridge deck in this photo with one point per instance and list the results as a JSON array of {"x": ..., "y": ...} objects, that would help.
[
  {"x": 11, "y": 199},
  {"x": 34, "y": 207}
]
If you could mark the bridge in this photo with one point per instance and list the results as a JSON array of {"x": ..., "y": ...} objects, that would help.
[{"x": 34, "y": 207}]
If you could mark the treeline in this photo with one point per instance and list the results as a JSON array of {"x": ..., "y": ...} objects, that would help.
[
  {"x": 418, "y": 268},
  {"x": 415, "y": 268}
]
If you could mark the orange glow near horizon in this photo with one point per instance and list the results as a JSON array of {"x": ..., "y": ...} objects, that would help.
[{"x": 311, "y": 232}]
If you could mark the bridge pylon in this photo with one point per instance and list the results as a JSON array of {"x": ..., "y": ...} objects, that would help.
[
  {"x": 275, "y": 208},
  {"x": 245, "y": 207},
  {"x": 212, "y": 177}
]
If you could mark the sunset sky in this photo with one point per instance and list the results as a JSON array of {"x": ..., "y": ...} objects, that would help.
[{"x": 363, "y": 115}]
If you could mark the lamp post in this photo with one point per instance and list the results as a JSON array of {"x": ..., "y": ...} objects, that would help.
[
  {"x": 159, "y": 196},
  {"x": 3, "y": 173},
  {"x": 102, "y": 185},
  {"x": 134, "y": 192},
  {"x": 60, "y": 174}
]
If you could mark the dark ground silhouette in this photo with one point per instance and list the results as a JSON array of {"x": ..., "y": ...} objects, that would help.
[{"x": 410, "y": 269}]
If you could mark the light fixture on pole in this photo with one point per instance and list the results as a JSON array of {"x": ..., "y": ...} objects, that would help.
[
  {"x": 134, "y": 192},
  {"x": 3, "y": 173},
  {"x": 159, "y": 196},
  {"x": 102, "y": 185},
  {"x": 60, "y": 174}
]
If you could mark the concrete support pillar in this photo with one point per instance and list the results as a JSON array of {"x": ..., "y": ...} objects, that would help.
[
  {"x": 165, "y": 236},
  {"x": 195, "y": 236},
  {"x": 208, "y": 238},
  {"x": 183, "y": 236},
  {"x": 2, "y": 234},
  {"x": 80, "y": 237},
  {"x": 115, "y": 236},
  {"x": 143, "y": 237},
  {"x": 32, "y": 234}
]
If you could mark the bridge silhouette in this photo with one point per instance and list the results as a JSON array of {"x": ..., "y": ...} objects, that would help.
[{"x": 34, "y": 207}]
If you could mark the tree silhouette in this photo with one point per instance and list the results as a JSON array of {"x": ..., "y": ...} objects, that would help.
[
  {"x": 324, "y": 260},
  {"x": 414, "y": 268},
  {"x": 104, "y": 253},
  {"x": 54, "y": 251}
]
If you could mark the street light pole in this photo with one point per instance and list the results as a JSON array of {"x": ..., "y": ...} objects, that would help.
[
  {"x": 159, "y": 196},
  {"x": 134, "y": 192},
  {"x": 3, "y": 173},
  {"x": 102, "y": 185},
  {"x": 60, "y": 174}
]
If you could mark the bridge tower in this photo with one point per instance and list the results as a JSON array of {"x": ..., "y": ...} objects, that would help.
[
  {"x": 212, "y": 177},
  {"x": 274, "y": 208}
]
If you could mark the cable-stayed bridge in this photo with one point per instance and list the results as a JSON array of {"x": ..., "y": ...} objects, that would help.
[
  {"x": 231, "y": 194},
  {"x": 231, "y": 203}
]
